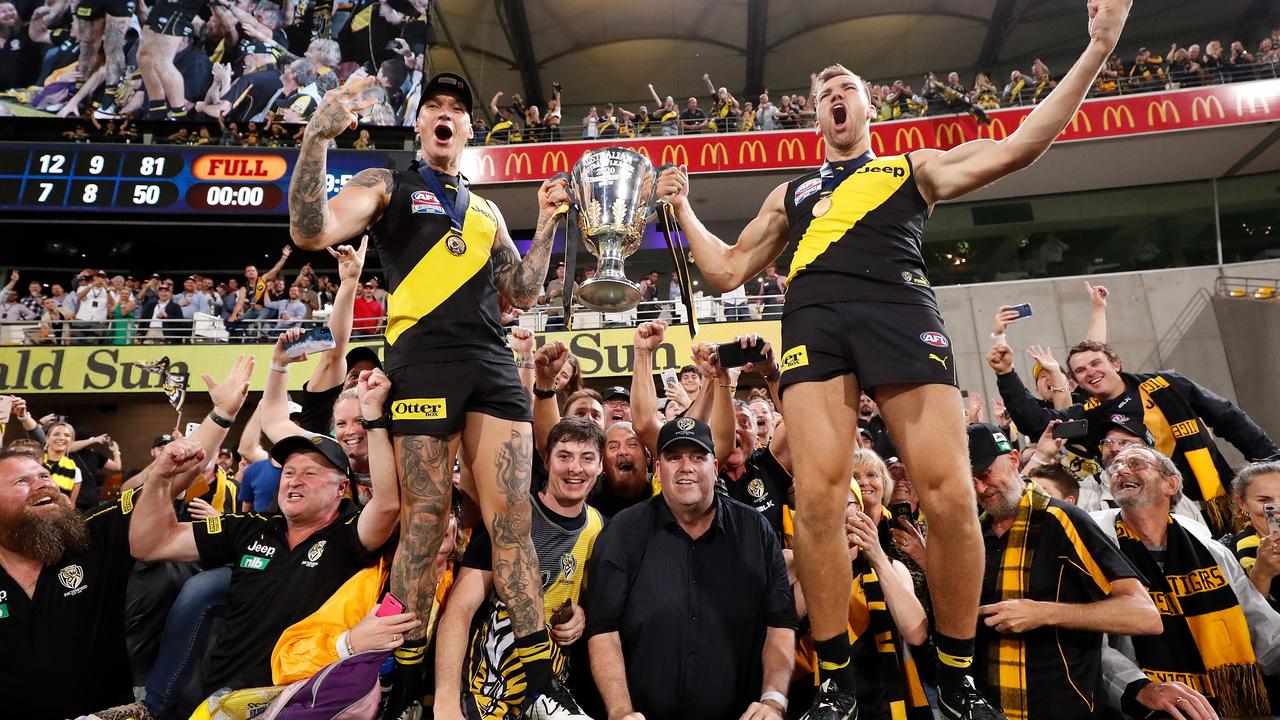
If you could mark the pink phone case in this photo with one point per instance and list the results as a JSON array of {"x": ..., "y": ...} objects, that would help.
[{"x": 389, "y": 606}]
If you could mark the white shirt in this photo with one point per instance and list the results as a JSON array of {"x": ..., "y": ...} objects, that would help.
[
  {"x": 157, "y": 322},
  {"x": 736, "y": 296},
  {"x": 94, "y": 305}
]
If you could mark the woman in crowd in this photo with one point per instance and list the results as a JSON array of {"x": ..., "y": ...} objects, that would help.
[{"x": 1257, "y": 546}]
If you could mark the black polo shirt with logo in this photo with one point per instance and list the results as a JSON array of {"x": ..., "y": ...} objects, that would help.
[
  {"x": 272, "y": 587},
  {"x": 764, "y": 485},
  {"x": 62, "y": 651}
]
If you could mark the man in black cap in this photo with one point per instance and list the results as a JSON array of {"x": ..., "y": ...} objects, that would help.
[
  {"x": 284, "y": 566},
  {"x": 448, "y": 256},
  {"x": 617, "y": 405},
  {"x": 691, "y": 614},
  {"x": 1052, "y": 586}
]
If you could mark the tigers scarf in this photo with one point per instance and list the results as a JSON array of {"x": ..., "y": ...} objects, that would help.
[
  {"x": 1009, "y": 671},
  {"x": 1181, "y": 435},
  {"x": 1205, "y": 643},
  {"x": 870, "y": 621},
  {"x": 63, "y": 471}
]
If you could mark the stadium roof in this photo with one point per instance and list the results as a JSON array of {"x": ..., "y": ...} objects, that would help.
[{"x": 611, "y": 50}]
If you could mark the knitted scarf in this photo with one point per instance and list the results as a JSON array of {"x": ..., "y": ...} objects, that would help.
[
  {"x": 1205, "y": 643},
  {"x": 1008, "y": 674},
  {"x": 63, "y": 471},
  {"x": 1245, "y": 546}
]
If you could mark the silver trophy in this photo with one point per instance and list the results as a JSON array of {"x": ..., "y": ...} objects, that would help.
[{"x": 614, "y": 191}]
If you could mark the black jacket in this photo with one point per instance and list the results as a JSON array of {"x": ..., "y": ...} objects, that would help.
[{"x": 173, "y": 331}]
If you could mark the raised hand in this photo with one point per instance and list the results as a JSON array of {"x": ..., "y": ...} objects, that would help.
[
  {"x": 553, "y": 195},
  {"x": 179, "y": 457},
  {"x": 649, "y": 335},
  {"x": 350, "y": 261},
  {"x": 340, "y": 109},
  {"x": 1106, "y": 20},
  {"x": 372, "y": 389},
  {"x": 279, "y": 356},
  {"x": 1044, "y": 356},
  {"x": 673, "y": 186},
  {"x": 1000, "y": 358},
  {"x": 1097, "y": 295},
  {"x": 228, "y": 396},
  {"x": 549, "y": 360},
  {"x": 522, "y": 342},
  {"x": 1005, "y": 317}
]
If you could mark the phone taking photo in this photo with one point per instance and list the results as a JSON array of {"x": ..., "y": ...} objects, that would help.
[
  {"x": 390, "y": 605},
  {"x": 317, "y": 339},
  {"x": 1272, "y": 512},
  {"x": 733, "y": 355},
  {"x": 1071, "y": 430},
  {"x": 1023, "y": 310},
  {"x": 670, "y": 377}
]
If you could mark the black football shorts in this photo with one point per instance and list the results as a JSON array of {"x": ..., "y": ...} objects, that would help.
[
  {"x": 94, "y": 9},
  {"x": 173, "y": 17},
  {"x": 880, "y": 343},
  {"x": 433, "y": 398}
]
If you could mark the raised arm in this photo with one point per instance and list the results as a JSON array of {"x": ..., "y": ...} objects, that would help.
[
  {"x": 493, "y": 103},
  {"x": 332, "y": 368},
  {"x": 728, "y": 266},
  {"x": 155, "y": 535},
  {"x": 711, "y": 87},
  {"x": 1098, "y": 315},
  {"x": 271, "y": 274},
  {"x": 547, "y": 361},
  {"x": 316, "y": 222},
  {"x": 654, "y": 94},
  {"x": 644, "y": 397},
  {"x": 520, "y": 281},
  {"x": 468, "y": 593},
  {"x": 715, "y": 402},
  {"x": 956, "y": 172},
  {"x": 381, "y": 515}
]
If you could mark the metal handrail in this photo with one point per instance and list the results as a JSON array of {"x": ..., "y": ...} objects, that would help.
[
  {"x": 212, "y": 329},
  {"x": 1247, "y": 287}
]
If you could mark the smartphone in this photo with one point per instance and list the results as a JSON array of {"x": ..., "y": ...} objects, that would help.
[
  {"x": 1272, "y": 511},
  {"x": 733, "y": 355},
  {"x": 1071, "y": 429},
  {"x": 317, "y": 339},
  {"x": 901, "y": 511},
  {"x": 563, "y": 613},
  {"x": 191, "y": 428},
  {"x": 389, "y": 606},
  {"x": 6, "y": 408},
  {"x": 1023, "y": 310},
  {"x": 670, "y": 377}
]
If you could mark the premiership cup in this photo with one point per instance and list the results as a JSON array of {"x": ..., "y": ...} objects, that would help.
[{"x": 614, "y": 190}]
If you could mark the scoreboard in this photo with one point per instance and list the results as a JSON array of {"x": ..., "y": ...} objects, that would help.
[{"x": 204, "y": 180}]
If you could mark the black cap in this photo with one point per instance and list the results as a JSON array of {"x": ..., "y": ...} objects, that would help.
[
  {"x": 1127, "y": 423},
  {"x": 449, "y": 82},
  {"x": 986, "y": 443},
  {"x": 162, "y": 440},
  {"x": 686, "y": 429},
  {"x": 363, "y": 352},
  {"x": 616, "y": 391},
  {"x": 323, "y": 444}
]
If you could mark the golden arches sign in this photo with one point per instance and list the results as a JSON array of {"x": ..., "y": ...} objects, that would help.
[{"x": 1117, "y": 115}]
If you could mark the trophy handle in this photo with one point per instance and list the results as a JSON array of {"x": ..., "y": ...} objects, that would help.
[
  {"x": 565, "y": 207},
  {"x": 654, "y": 201}
]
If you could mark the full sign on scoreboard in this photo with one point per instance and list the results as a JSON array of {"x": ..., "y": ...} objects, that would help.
[{"x": 205, "y": 180}]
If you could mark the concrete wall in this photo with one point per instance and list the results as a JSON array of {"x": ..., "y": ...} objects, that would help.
[{"x": 1161, "y": 319}]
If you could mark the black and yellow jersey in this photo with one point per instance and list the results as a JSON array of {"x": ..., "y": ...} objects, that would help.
[
  {"x": 493, "y": 676},
  {"x": 220, "y": 494},
  {"x": 867, "y": 244},
  {"x": 442, "y": 304},
  {"x": 256, "y": 290}
]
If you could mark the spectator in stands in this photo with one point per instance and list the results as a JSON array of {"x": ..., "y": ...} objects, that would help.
[
  {"x": 656, "y": 652},
  {"x": 649, "y": 309},
  {"x": 609, "y": 125},
  {"x": 1237, "y": 64},
  {"x": 760, "y": 477},
  {"x": 95, "y": 303},
  {"x": 771, "y": 288},
  {"x": 53, "y": 325},
  {"x": 1041, "y": 81},
  {"x": 368, "y": 312},
  {"x": 35, "y": 297},
  {"x": 1174, "y": 401},
  {"x": 1058, "y": 585},
  {"x": 725, "y": 111},
  {"x": 591, "y": 124},
  {"x": 693, "y": 120},
  {"x": 163, "y": 318},
  {"x": 191, "y": 300},
  {"x": 292, "y": 311},
  {"x": 11, "y": 310},
  {"x": 985, "y": 93},
  {"x": 479, "y": 651},
  {"x": 748, "y": 117},
  {"x": 1148, "y": 72},
  {"x": 666, "y": 113},
  {"x": 1257, "y": 546},
  {"x": 1012, "y": 94},
  {"x": 551, "y": 120},
  {"x": 1221, "y": 643},
  {"x": 249, "y": 305},
  {"x": 1214, "y": 63},
  {"x": 802, "y": 110},
  {"x": 553, "y": 297},
  {"x": 1267, "y": 51},
  {"x": 19, "y": 53},
  {"x": 736, "y": 307},
  {"x": 766, "y": 113}
]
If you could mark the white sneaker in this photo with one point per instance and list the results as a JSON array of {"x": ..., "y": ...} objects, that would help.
[{"x": 557, "y": 703}]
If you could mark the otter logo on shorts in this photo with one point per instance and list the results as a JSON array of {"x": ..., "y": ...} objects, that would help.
[
  {"x": 419, "y": 409},
  {"x": 796, "y": 357}
]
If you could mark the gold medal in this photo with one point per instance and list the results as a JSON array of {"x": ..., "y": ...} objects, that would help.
[
  {"x": 454, "y": 243},
  {"x": 821, "y": 207}
]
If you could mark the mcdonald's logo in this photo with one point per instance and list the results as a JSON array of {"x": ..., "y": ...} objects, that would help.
[
  {"x": 793, "y": 147},
  {"x": 521, "y": 159},
  {"x": 717, "y": 150},
  {"x": 675, "y": 154},
  {"x": 486, "y": 166},
  {"x": 953, "y": 131},
  {"x": 907, "y": 133},
  {"x": 1164, "y": 107},
  {"x": 557, "y": 160},
  {"x": 1204, "y": 104},
  {"x": 877, "y": 142},
  {"x": 1253, "y": 104},
  {"x": 1115, "y": 115},
  {"x": 749, "y": 148},
  {"x": 996, "y": 123},
  {"x": 1080, "y": 118},
  {"x": 643, "y": 151}
]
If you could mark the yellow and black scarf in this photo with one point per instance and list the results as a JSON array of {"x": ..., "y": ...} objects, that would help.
[
  {"x": 1008, "y": 674},
  {"x": 870, "y": 621},
  {"x": 1245, "y": 546},
  {"x": 63, "y": 471},
  {"x": 1206, "y": 642}
]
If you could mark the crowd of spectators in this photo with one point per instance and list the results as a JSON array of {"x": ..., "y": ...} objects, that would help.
[
  {"x": 1083, "y": 531},
  {"x": 251, "y": 74}
]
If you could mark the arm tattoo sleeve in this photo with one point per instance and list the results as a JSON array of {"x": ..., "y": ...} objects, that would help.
[
  {"x": 308, "y": 199},
  {"x": 521, "y": 281}
]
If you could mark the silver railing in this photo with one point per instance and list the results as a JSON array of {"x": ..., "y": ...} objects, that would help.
[{"x": 205, "y": 329}]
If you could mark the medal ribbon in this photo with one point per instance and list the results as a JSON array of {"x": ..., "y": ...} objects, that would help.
[
  {"x": 832, "y": 176},
  {"x": 457, "y": 210}
]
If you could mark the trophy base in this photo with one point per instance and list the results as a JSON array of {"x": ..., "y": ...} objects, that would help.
[{"x": 609, "y": 295}]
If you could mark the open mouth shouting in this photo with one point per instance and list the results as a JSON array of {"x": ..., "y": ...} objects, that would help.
[
  {"x": 443, "y": 133},
  {"x": 839, "y": 116},
  {"x": 44, "y": 499}
]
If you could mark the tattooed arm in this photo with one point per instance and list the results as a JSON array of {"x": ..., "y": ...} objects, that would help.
[
  {"x": 315, "y": 222},
  {"x": 520, "y": 281}
]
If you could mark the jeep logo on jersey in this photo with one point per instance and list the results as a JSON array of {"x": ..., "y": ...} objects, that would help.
[
  {"x": 71, "y": 576},
  {"x": 936, "y": 339},
  {"x": 265, "y": 550}
]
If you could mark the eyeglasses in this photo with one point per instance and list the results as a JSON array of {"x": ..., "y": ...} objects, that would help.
[
  {"x": 1131, "y": 464},
  {"x": 1118, "y": 443}
]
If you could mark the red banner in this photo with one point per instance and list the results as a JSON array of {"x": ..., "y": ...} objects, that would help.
[{"x": 1234, "y": 104}]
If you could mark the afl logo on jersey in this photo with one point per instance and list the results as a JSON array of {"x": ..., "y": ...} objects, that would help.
[
  {"x": 807, "y": 188},
  {"x": 936, "y": 339},
  {"x": 423, "y": 201}
]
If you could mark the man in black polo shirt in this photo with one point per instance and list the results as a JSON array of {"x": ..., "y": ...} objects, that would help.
[
  {"x": 691, "y": 615},
  {"x": 1052, "y": 586},
  {"x": 283, "y": 566}
]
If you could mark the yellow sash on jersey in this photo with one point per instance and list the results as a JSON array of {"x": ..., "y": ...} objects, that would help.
[
  {"x": 859, "y": 194},
  {"x": 440, "y": 273}
]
